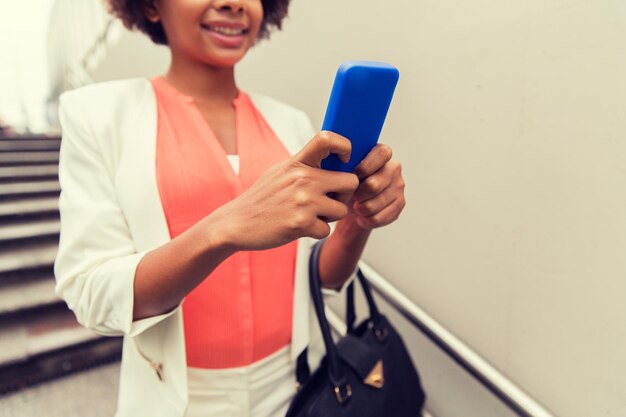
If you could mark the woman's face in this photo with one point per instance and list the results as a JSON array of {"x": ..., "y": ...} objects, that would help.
[{"x": 215, "y": 32}]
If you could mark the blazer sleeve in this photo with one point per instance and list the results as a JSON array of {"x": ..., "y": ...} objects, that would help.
[{"x": 97, "y": 259}]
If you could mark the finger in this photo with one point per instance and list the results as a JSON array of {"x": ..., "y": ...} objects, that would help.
[
  {"x": 384, "y": 217},
  {"x": 339, "y": 185},
  {"x": 376, "y": 204},
  {"x": 338, "y": 182},
  {"x": 375, "y": 184},
  {"x": 375, "y": 160},
  {"x": 318, "y": 230},
  {"x": 332, "y": 210},
  {"x": 321, "y": 146}
]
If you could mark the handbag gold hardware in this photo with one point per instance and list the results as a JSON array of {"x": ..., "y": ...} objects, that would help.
[
  {"x": 376, "y": 377},
  {"x": 381, "y": 335},
  {"x": 340, "y": 397}
]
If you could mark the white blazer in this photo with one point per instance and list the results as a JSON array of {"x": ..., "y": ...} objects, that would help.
[{"x": 111, "y": 215}]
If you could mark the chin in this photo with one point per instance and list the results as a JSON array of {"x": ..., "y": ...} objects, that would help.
[
  {"x": 225, "y": 59},
  {"x": 224, "y": 62}
]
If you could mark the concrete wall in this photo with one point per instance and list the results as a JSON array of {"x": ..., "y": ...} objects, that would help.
[
  {"x": 134, "y": 55},
  {"x": 509, "y": 121}
]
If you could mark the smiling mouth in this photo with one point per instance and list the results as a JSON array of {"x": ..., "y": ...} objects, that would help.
[{"x": 226, "y": 31}]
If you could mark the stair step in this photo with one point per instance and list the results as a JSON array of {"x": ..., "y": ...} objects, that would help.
[
  {"x": 29, "y": 137},
  {"x": 34, "y": 334},
  {"x": 36, "y": 346},
  {"x": 29, "y": 230},
  {"x": 26, "y": 293},
  {"x": 30, "y": 145},
  {"x": 71, "y": 395},
  {"x": 29, "y": 171},
  {"x": 18, "y": 158},
  {"x": 60, "y": 363},
  {"x": 39, "y": 337},
  {"x": 29, "y": 255},
  {"x": 29, "y": 206},
  {"x": 30, "y": 187}
]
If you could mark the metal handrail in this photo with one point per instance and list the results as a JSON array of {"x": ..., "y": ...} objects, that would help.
[
  {"x": 99, "y": 42},
  {"x": 499, "y": 385}
]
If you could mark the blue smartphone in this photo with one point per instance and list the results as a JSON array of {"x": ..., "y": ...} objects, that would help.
[{"x": 357, "y": 108}]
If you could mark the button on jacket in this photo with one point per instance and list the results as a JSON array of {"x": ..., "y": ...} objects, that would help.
[{"x": 111, "y": 215}]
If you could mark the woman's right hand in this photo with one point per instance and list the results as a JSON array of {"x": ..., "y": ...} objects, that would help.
[{"x": 289, "y": 201}]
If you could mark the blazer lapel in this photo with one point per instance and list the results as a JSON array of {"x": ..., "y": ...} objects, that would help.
[
  {"x": 136, "y": 181},
  {"x": 139, "y": 197}
]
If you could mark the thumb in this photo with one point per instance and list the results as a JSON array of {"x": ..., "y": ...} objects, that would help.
[{"x": 321, "y": 146}]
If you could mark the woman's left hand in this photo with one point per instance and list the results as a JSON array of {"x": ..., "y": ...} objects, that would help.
[{"x": 379, "y": 199}]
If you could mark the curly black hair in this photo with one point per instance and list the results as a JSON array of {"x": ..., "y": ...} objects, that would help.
[{"x": 132, "y": 14}]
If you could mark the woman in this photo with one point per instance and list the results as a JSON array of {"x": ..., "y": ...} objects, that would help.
[{"x": 186, "y": 224}]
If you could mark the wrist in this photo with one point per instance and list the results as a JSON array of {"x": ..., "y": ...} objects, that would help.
[
  {"x": 349, "y": 230},
  {"x": 218, "y": 236},
  {"x": 341, "y": 252}
]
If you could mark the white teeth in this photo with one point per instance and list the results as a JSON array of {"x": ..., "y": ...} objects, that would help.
[{"x": 226, "y": 31}]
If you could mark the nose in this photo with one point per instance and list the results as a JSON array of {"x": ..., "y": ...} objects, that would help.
[{"x": 233, "y": 6}]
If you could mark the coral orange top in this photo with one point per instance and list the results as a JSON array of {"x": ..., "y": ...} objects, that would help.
[{"x": 242, "y": 311}]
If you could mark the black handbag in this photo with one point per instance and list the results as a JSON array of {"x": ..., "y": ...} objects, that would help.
[{"x": 367, "y": 373}]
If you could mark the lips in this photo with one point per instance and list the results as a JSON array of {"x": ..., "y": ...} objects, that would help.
[{"x": 225, "y": 34}]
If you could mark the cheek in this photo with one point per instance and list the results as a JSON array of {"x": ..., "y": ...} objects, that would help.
[
  {"x": 256, "y": 15},
  {"x": 176, "y": 31}
]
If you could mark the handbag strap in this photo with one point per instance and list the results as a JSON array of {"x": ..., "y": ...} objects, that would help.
[
  {"x": 350, "y": 306},
  {"x": 336, "y": 371},
  {"x": 302, "y": 366},
  {"x": 303, "y": 372},
  {"x": 350, "y": 310}
]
